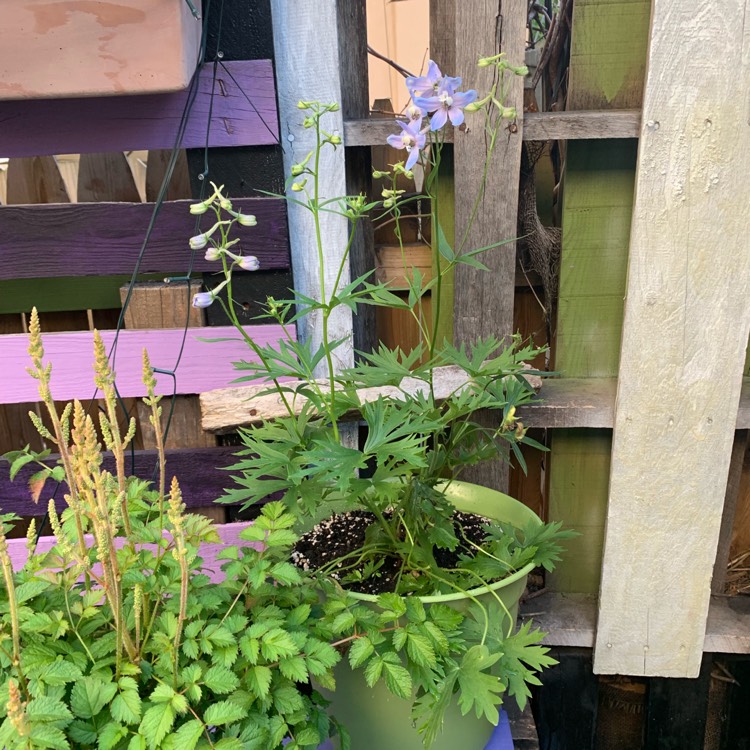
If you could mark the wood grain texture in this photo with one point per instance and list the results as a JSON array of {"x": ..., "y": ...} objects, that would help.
[
  {"x": 35, "y": 179},
  {"x": 307, "y": 67},
  {"x": 483, "y": 301},
  {"x": 606, "y": 73},
  {"x": 537, "y": 126},
  {"x": 353, "y": 70},
  {"x": 106, "y": 177},
  {"x": 102, "y": 239},
  {"x": 204, "y": 365},
  {"x": 41, "y": 127},
  {"x": 200, "y": 472},
  {"x": 226, "y": 409},
  {"x": 686, "y": 307},
  {"x": 570, "y": 620}
]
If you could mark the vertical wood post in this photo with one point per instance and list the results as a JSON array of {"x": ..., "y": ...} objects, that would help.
[
  {"x": 307, "y": 67},
  {"x": 685, "y": 331},
  {"x": 483, "y": 303}
]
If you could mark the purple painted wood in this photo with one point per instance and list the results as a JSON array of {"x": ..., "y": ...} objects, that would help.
[
  {"x": 94, "y": 125},
  {"x": 200, "y": 472},
  {"x": 229, "y": 533},
  {"x": 204, "y": 366},
  {"x": 102, "y": 239}
]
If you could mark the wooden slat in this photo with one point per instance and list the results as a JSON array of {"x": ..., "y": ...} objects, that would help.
[
  {"x": 307, "y": 67},
  {"x": 199, "y": 471},
  {"x": 607, "y": 64},
  {"x": 570, "y": 620},
  {"x": 204, "y": 364},
  {"x": 106, "y": 177},
  {"x": 686, "y": 309},
  {"x": 483, "y": 300},
  {"x": 563, "y": 403},
  {"x": 35, "y": 180},
  {"x": 537, "y": 126},
  {"x": 66, "y": 293},
  {"x": 244, "y": 114},
  {"x": 229, "y": 534},
  {"x": 226, "y": 409},
  {"x": 102, "y": 239}
]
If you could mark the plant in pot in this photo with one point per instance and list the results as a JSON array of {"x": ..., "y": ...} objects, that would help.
[
  {"x": 421, "y": 572},
  {"x": 120, "y": 638}
]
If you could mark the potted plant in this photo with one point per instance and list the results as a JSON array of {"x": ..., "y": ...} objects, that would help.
[
  {"x": 119, "y": 638},
  {"x": 420, "y": 572}
]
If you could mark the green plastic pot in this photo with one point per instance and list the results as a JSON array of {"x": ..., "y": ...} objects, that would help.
[{"x": 375, "y": 718}]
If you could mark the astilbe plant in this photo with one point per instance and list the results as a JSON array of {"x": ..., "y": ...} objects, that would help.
[
  {"x": 118, "y": 639},
  {"x": 418, "y": 440}
]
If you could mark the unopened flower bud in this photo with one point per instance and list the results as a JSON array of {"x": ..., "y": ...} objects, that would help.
[
  {"x": 203, "y": 299},
  {"x": 377, "y": 174},
  {"x": 248, "y": 263},
  {"x": 335, "y": 140},
  {"x": 298, "y": 187},
  {"x": 213, "y": 253},
  {"x": 226, "y": 204},
  {"x": 521, "y": 70},
  {"x": 473, "y": 107},
  {"x": 246, "y": 220},
  {"x": 198, "y": 208},
  {"x": 485, "y": 62},
  {"x": 308, "y": 122},
  {"x": 509, "y": 113},
  {"x": 297, "y": 170},
  {"x": 198, "y": 242}
]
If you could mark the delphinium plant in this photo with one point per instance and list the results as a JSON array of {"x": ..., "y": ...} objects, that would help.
[
  {"x": 118, "y": 638},
  {"x": 395, "y": 487}
]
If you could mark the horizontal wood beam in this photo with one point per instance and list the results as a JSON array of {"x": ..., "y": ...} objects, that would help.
[
  {"x": 570, "y": 620},
  {"x": 229, "y": 535},
  {"x": 226, "y": 409},
  {"x": 204, "y": 364},
  {"x": 562, "y": 403},
  {"x": 103, "y": 239},
  {"x": 241, "y": 104},
  {"x": 200, "y": 472},
  {"x": 537, "y": 126}
]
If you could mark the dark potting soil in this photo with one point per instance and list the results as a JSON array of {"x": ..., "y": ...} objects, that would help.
[{"x": 344, "y": 533}]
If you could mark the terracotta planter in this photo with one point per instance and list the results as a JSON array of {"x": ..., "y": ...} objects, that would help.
[{"x": 74, "y": 48}]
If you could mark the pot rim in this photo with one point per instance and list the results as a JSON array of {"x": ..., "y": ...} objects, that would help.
[{"x": 459, "y": 488}]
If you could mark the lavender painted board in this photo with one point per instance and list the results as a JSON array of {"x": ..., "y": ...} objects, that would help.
[
  {"x": 200, "y": 472},
  {"x": 102, "y": 239},
  {"x": 229, "y": 533},
  {"x": 95, "y": 125},
  {"x": 204, "y": 366}
]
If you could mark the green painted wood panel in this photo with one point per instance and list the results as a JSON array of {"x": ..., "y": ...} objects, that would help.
[
  {"x": 607, "y": 70},
  {"x": 66, "y": 293}
]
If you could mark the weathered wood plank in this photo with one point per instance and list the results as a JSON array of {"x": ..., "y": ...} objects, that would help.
[
  {"x": 665, "y": 505},
  {"x": 244, "y": 114},
  {"x": 203, "y": 365},
  {"x": 308, "y": 67},
  {"x": 483, "y": 301},
  {"x": 225, "y": 409},
  {"x": 607, "y": 66},
  {"x": 102, "y": 239},
  {"x": 569, "y": 620},
  {"x": 563, "y": 403},
  {"x": 537, "y": 126},
  {"x": 199, "y": 471}
]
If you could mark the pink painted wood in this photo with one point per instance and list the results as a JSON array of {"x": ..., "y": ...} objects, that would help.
[
  {"x": 102, "y": 239},
  {"x": 229, "y": 533},
  {"x": 204, "y": 365},
  {"x": 244, "y": 114}
]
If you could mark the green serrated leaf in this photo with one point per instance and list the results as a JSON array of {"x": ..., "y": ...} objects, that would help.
[
  {"x": 156, "y": 724},
  {"x": 126, "y": 706},
  {"x": 294, "y": 668},
  {"x": 90, "y": 695},
  {"x": 110, "y": 735},
  {"x": 259, "y": 680},
  {"x": 360, "y": 652},
  {"x": 224, "y": 712},
  {"x": 45, "y": 735},
  {"x": 220, "y": 680},
  {"x": 47, "y": 709}
]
